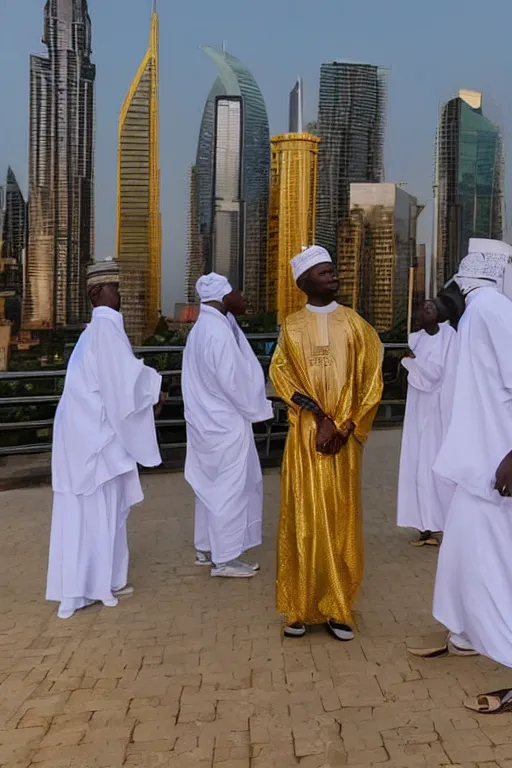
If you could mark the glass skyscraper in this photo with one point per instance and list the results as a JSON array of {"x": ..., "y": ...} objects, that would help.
[
  {"x": 377, "y": 245},
  {"x": 351, "y": 119},
  {"x": 296, "y": 108},
  {"x": 13, "y": 234},
  {"x": 469, "y": 182},
  {"x": 139, "y": 232},
  {"x": 61, "y": 170},
  {"x": 231, "y": 183}
]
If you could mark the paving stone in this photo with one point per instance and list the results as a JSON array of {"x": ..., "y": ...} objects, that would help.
[{"x": 193, "y": 672}]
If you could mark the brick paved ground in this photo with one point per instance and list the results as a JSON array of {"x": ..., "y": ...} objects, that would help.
[{"x": 192, "y": 671}]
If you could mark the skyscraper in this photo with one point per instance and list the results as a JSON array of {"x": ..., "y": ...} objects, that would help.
[
  {"x": 13, "y": 234},
  {"x": 351, "y": 118},
  {"x": 469, "y": 182},
  {"x": 232, "y": 177},
  {"x": 139, "y": 229},
  {"x": 293, "y": 189},
  {"x": 296, "y": 116},
  {"x": 377, "y": 246},
  {"x": 195, "y": 250},
  {"x": 61, "y": 170}
]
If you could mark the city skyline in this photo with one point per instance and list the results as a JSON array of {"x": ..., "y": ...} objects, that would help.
[{"x": 412, "y": 111}]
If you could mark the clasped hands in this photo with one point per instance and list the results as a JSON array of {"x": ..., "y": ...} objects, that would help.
[
  {"x": 503, "y": 482},
  {"x": 329, "y": 439}
]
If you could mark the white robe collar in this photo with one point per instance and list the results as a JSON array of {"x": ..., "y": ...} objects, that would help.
[
  {"x": 323, "y": 310},
  {"x": 109, "y": 314}
]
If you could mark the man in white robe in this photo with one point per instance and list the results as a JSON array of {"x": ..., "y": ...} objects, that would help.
[
  {"x": 423, "y": 498},
  {"x": 104, "y": 426},
  {"x": 224, "y": 394},
  {"x": 473, "y": 590}
]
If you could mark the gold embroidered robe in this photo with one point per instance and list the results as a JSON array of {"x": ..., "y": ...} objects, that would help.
[{"x": 336, "y": 359}]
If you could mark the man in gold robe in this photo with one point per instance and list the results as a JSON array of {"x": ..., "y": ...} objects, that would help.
[{"x": 328, "y": 370}]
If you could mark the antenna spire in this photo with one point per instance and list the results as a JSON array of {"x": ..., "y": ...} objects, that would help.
[
  {"x": 224, "y": 46},
  {"x": 154, "y": 6}
]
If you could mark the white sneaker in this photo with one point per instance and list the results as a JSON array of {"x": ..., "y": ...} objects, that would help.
[
  {"x": 233, "y": 570},
  {"x": 203, "y": 558},
  {"x": 253, "y": 566}
]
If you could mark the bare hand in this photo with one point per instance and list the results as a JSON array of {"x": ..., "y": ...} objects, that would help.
[
  {"x": 503, "y": 482},
  {"x": 161, "y": 402},
  {"x": 325, "y": 434},
  {"x": 410, "y": 353}
]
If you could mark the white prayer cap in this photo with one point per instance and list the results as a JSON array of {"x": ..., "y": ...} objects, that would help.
[
  {"x": 212, "y": 287},
  {"x": 486, "y": 260},
  {"x": 309, "y": 257}
]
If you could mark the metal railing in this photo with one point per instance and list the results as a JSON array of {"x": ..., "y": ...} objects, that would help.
[{"x": 28, "y": 400}]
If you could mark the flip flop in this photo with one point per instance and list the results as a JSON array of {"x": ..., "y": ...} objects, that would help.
[{"x": 494, "y": 703}]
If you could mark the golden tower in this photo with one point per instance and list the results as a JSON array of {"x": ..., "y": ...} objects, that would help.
[
  {"x": 139, "y": 229},
  {"x": 292, "y": 215}
]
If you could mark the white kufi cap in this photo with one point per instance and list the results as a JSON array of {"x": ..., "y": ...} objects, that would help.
[
  {"x": 213, "y": 287},
  {"x": 309, "y": 257}
]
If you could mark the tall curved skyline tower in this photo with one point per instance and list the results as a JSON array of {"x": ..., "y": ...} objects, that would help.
[
  {"x": 61, "y": 170},
  {"x": 139, "y": 229},
  {"x": 231, "y": 183}
]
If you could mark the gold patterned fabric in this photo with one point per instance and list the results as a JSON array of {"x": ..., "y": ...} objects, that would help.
[{"x": 336, "y": 359}]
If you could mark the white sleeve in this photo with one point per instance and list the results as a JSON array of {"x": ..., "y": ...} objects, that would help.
[
  {"x": 240, "y": 379},
  {"x": 129, "y": 390}
]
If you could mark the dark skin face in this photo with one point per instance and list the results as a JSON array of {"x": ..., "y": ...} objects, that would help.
[
  {"x": 320, "y": 284},
  {"x": 106, "y": 296},
  {"x": 429, "y": 317},
  {"x": 234, "y": 302}
]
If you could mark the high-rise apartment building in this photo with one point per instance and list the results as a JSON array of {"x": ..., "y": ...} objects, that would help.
[
  {"x": 292, "y": 214},
  {"x": 231, "y": 183},
  {"x": 420, "y": 277},
  {"x": 61, "y": 170},
  {"x": 469, "y": 184},
  {"x": 139, "y": 229},
  {"x": 13, "y": 236},
  {"x": 296, "y": 111},
  {"x": 195, "y": 250},
  {"x": 377, "y": 246},
  {"x": 351, "y": 121}
]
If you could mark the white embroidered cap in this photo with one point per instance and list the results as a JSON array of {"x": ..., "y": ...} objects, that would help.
[
  {"x": 309, "y": 257},
  {"x": 486, "y": 260},
  {"x": 102, "y": 273}
]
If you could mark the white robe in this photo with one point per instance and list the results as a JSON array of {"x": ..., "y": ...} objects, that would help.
[
  {"x": 224, "y": 394},
  {"x": 104, "y": 426},
  {"x": 473, "y": 591},
  {"x": 423, "y": 497}
]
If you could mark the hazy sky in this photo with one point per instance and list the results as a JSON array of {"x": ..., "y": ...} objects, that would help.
[{"x": 433, "y": 49}]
